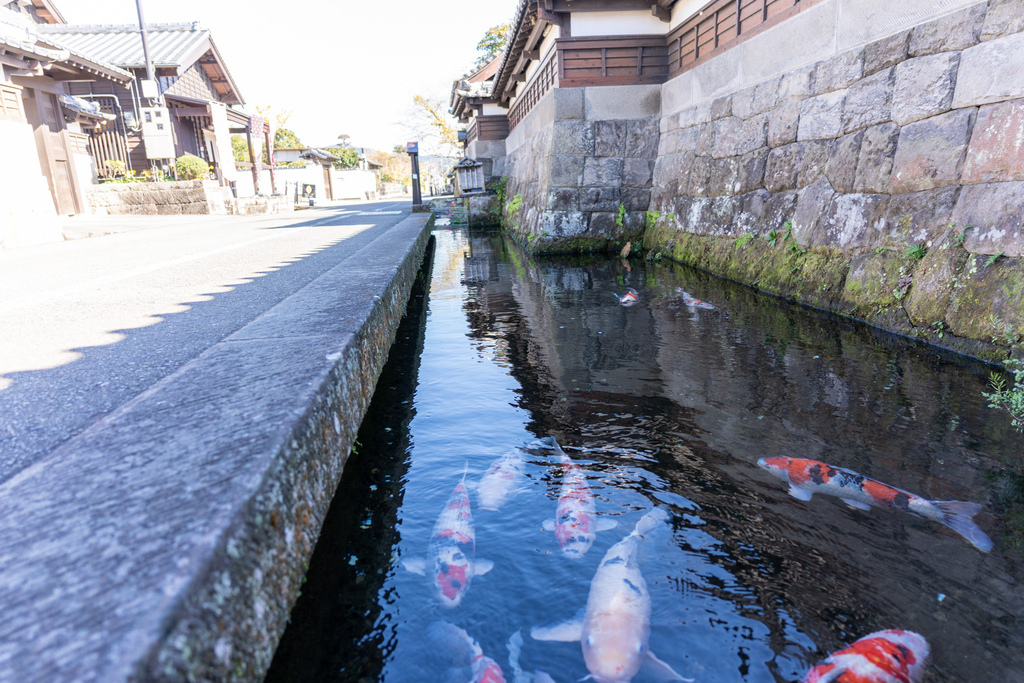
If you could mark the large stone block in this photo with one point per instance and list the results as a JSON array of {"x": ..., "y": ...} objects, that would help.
[
  {"x": 694, "y": 115},
  {"x": 721, "y": 108},
  {"x": 609, "y": 138},
  {"x": 623, "y": 102},
  {"x": 839, "y": 72},
  {"x": 874, "y": 164},
  {"x": 812, "y": 204},
  {"x": 569, "y": 103},
  {"x": 734, "y": 136},
  {"x": 841, "y": 168},
  {"x": 600, "y": 199},
  {"x": 869, "y": 101},
  {"x": 797, "y": 85},
  {"x": 956, "y": 31},
  {"x": 563, "y": 199},
  {"x": 719, "y": 215},
  {"x": 682, "y": 167},
  {"x": 931, "y": 294},
  {"x": 605, "y": 172},
  {"x": 821, "y": 117},
  {"x": 563, "y": 223},
  {"x": 871, "y": 279},
  {"x": 637, "y": 172},
  {"x": 642, "y": 138},
  {"x": 779, "y": 208},
  {"x": 930, "y": 153},
  {"x": 919, "y": 217},
  {"x": 996, "y": 151},
  {"x": 924, "y": 87},
  {"x": 783, "y": 123},
  {"x": 572, "y": 137},
  {"x": 756, "y": 100},
  {"x": 853, "y": 221},
  {"x": 635, "y": 198},
  {"x": 706, "y": 139},
  {"x": 566, "y": 171},
  {"x": 700, "y": 176},
  {"x": 991, "y": 72},
  {"x": 751, "y": 213},
  {"x": 1003, "y": 18},
  {"x": 795, "y": 165},
  {"x": 886, "y": 52},
  {"x": 995, "y": 214},
  {"x": 738, "y": 175}
]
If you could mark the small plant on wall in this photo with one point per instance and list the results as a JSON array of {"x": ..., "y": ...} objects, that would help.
[{"x": 191, "y": 167}]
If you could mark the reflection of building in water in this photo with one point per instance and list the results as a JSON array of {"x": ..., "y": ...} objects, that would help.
[{"x": 704, "y": 398}]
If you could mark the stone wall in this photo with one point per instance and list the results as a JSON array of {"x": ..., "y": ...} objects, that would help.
[
  {"x": 171, "y": 198},
  {"x": 878, "y": 182},
  {"x": 580, "y": 168}
]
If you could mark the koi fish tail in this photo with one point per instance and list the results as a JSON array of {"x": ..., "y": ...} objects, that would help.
[{"x": 957, "y": 516}]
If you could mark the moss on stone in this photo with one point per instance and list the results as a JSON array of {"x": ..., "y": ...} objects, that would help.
[
  {"x": 934, "y": 280},
  {"x": 985, "y": 290},
  {"x": 872, "y": 280}
]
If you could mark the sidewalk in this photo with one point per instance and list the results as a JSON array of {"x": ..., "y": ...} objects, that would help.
[{"x": 167, "y": 541}]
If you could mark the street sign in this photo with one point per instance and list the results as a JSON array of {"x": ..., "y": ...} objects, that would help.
[{"x": 412, "y": 147}]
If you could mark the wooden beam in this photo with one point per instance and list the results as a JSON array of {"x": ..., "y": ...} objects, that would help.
[
  {"x": 532, "y": 54},
  {"x": 518, "y": 78},
  {"x": 190, "y": 111},
  {"x": 550, "y": 17},
  {"x": 598, "y": 5},
  {"x": 663, "y": 13}
]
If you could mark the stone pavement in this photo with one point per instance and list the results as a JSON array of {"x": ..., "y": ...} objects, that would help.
[{"x": 161, "y": 489}]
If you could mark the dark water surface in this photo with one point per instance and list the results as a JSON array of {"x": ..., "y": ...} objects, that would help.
[{"x": 674, "y": 405}]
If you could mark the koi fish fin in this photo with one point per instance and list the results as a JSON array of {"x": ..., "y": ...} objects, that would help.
[
  {"x": 799, "y": 493},
  {"x": 549, "y": 524},
  {"x": 605, "y": 524},
  {"x": 416, "y": 565},
  {"x": 662, "y": 670},
  {"x": 515, "y": 648},
  {"x": 957, "y": 516},
  {"x": 833, "y": 675},
  {"x": 566, "y": 632},
  {"x": 542, "y": 677},
  {"x": 465, "y": 469},
  {"x": 481, "y": 567},
  {"x": 856, "y": 504}
]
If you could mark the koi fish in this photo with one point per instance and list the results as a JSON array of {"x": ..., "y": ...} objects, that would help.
[
  {"x": 515, "y": 647},
  {"x": 500, "y": 482},
  {"x": 465, "y": 651},
  {"x": 575, "y": 523},
  {"x": 694, "y": 302},
  {"x": 629, "y": 298},
  {"x": 617, "y": 621},
  {"x": 807, "y": 477},
  {"x": 452, "y": 550},
  {"x": 882, "y": 657}
]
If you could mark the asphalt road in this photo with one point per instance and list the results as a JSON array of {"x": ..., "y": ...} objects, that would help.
[{"x": 88, "y": 324}]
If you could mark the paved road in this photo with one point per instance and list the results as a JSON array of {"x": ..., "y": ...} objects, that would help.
[{"x": 88, "y": 324}]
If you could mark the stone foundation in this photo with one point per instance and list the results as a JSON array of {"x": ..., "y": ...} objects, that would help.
[{"x": 150, "y": 199}]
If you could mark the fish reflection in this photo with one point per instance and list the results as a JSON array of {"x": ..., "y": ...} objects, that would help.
[
  {"x": 575, "y": 523},
  {"x": 500, "y": 483},
  {"x": 617, "y": 621},
  {"x": 807, "y": 477},
  {"x": 515, "y": 647},
  {"x": 462, "y": 650},
  {"x": 452, "y": 550},
  {"x": 882, "y": 657}
]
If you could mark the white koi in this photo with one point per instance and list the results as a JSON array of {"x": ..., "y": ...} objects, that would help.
[
  {"x": 452, "y": 550},
  {"x": 616, "y": 624},
  {"x": 575, "y": 523},
  {"x": 465, "y": 652},
  {"x": 500, "y": 483}
]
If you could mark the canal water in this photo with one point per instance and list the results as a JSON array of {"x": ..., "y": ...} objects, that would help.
[{"x": 664, "y": 403}]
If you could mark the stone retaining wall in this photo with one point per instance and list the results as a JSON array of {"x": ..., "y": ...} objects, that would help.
[
  {"x": 829, "y": 183},
  {"x": 170, "y": 198}
]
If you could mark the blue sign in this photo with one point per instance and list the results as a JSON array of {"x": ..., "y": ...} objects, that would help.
[{"x": 412, "y": 147}]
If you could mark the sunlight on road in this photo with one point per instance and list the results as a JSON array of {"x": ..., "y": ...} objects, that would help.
[{"x": 93, "y": 290}]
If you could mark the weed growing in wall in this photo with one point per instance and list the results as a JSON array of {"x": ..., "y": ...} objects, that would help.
[
  {"x": 1009, "y": 397},
  {"x": 620, "y": 219}
]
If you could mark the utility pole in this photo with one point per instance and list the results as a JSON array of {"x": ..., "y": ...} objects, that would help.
[{"x": 413, "y": 148}]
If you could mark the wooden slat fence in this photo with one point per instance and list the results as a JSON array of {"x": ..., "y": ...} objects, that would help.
[
  {"x": 543, "y": 81},
  {"x": 612, "y": 60}
]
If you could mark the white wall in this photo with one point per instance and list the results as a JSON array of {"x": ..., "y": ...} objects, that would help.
[
  {"x": 353, "y": 183},
  {"x": 27, "y": 215},
  {"x": 632, "y": 23},
  {"x": 684, "y": 9}
]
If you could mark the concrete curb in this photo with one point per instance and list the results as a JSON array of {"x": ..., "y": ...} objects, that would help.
[{"x": 167, "y": 542}]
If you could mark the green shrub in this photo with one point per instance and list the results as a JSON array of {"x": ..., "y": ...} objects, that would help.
[{"x": 191, "y": 167}]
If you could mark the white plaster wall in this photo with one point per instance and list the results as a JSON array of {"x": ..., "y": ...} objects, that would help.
[
  {"x": 27, "y": 215},
  {"x": 632, "y": 23},
  {"x": 218, "y": 113},
  {"x": 684, "y": 9},
  {"x": 493, "y": 110}
]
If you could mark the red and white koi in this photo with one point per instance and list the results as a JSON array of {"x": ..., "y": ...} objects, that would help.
[
  {"x": 807, "y": 477},
  {"x": 882, "y": 657},
  {"x": 575, "y": 523},
  {"x": 694, "y": 302},
  {"x": 616, "y": 624},
  {"x": 467, "y": 652},
  {"x": 453, "y": 560},
  {"x": 629, "y": 298},
  {"x": 500, "y": 483}
]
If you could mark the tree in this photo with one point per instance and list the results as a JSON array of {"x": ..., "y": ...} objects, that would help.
[
  {"x": 492, "y": 43},
  {"x": 396, "y": 166},
  {"x": 347, "y": 157},
  {"x": 285, "y": 138},
  {"x": 435, "y": 128},
  {"x": 240, "y": 148}
]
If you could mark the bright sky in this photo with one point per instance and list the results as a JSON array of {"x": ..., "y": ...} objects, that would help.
[{"x": 341, "y": 66}]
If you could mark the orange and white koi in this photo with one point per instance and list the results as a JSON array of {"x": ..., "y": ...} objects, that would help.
[
  {"x": 629, "y": 298},
  {"x": 452, "y": 550},
  {"x": 575, "y": 523},
  {"x": 807, "y": 477},
  {"x": 466, "y": 652},
  {"x": 694, "y": 302},
  {"x": 892, "y": 656},
  {"x": 616, "y": 624},
  {"x": 500, "y": 483}
]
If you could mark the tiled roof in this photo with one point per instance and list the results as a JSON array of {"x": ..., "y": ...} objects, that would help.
[{"x": 170, "y": 45}]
